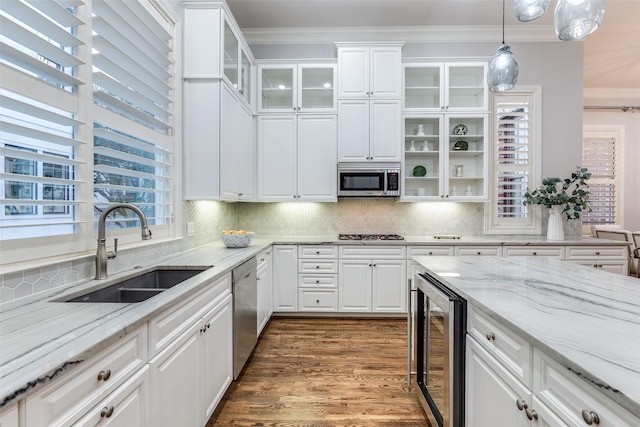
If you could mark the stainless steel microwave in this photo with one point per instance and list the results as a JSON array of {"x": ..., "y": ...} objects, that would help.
[{"x": 368, "y": 179}]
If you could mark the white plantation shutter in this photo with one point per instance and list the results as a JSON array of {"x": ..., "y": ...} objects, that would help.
[
  {"x": 133, "y": 81},
  {"x": 515, "y": 139},
  {"x": 600, "y": 155},
  {"x": 41, "y": 118}
]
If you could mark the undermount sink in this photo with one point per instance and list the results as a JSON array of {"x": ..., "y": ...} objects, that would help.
[{"x": 141, "y": 287}]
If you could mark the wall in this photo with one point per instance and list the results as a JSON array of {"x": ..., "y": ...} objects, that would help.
[{"x": 631, "y": 155}]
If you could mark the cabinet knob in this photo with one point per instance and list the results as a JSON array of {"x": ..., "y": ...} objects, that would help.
[
  {"x": 478, "y": 253},
  {"x": 317, "y": 252},
  {"x": 531, "y": 414},
  {"x": 106, "y": 412},
  {"x": 521, "y": 404},
  {"x": 590, "y": 417},
  {"x": 535, "y": 253},
  {"x": 597, "y": 253},
  {"x": 430, "y": 253},
  {"x": 491, "y": 336},
  {"x": 317, "y": 301},
  {"x": 317, "y": 282},
  {"x": 374, "y": 265},
  {"x": 317, "y": 267},
  {"x": 104, "y": 375}
]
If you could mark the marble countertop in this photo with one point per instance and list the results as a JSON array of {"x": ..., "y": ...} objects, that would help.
[
  {"x": 587, "y": 320},
  {"x": 40, "y": 339}
]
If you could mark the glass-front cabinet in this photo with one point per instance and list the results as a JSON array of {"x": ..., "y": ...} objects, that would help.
[
  {"x": 445, "y": 87},
  {"x": 445, "y": 157},
  {"x": 245, "y": 76},
  {"x": 302, "y": 88},
  {"x": 237, "y": 64}
]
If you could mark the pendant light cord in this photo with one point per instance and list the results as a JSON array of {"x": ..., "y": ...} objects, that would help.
[{"x": 503, "y": 1}]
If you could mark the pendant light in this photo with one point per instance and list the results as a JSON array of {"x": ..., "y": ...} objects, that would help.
[
  {"x": 528, "y": 10},
  {"x": 575, "y": 19},
  {"x": 503, "y": 70}
]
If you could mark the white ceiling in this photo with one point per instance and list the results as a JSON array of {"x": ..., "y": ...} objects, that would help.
[{"x": 612, "y": 53}]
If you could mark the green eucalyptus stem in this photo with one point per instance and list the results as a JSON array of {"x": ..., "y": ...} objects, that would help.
[{"x": 572, "y": 193}]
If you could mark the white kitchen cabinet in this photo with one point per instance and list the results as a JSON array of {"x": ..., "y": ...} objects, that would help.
[
  {"x": 317, "y": 278},
  {"x": 478, "y": 251},
  {"x": 237, "y": 160},
  {"x": 285, "y": 278},
  {"x": 369, "y": 71},
  {"x": 441, "y": 164},
  {"x": 9, "y": 416},
  {"x": 70, "y": 397},
  {"x": 369, "y": 130},
  {"x": 215, "y": 357},
  {"x": 297, "y": 88},
  {"x": 297, "y": 158},
  {"x": 372, "y": 279},
  {"x": 265, "y": 288},
  {"x": 614, "y": 259},
  {"x": 445, "y": 87},
  {"x": 544, "y": 251},
  {"x": 127, "y": 406}
]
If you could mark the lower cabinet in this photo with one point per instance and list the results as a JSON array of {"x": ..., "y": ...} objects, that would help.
[
  {"x": 189, "y": 377},
  {"x": 265, "y": 288},
  {"x": 614, "y": 259},
  {"x": 285, "y": 278},
  {"x": 9, "y": 416}
]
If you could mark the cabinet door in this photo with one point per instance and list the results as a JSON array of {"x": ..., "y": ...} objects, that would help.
[
  {"x": 245, "y": 149},
  {"x": 9, "y": 418},
  {"x": 316, "y": 91},
  {"x": 174, "y": 378},
  {"x": 229, "y": 144},
  {"x": 422, "y": 133},
  {"x": 466, "y": 86},
  {"x": 353, "y": 130},
  {"x": 215, "y": 357},
  {"x": 385, "y": 72},
  {"x": 385, "y": 125},
  {"x": 353, "y": 72},
  {"x": 423, "y": 87},
  {"x": 285, "y": 278},
  {"x": 265, "y": 290},
  {"x": 245, "y": 88},
  {"x": 231, "y": 55},
  {"x": 201, "y": 148},
  {"x": 317, "y": 157},
  {"x": 389, "y": 286},
  {"x": 277, "y": 158},
  {"x": 202, "y": 34},
  {"x": 127, "y": 406},
  {"x": 491, "y": 392},
  {"x": 355, "y": 286},
  {"x": 277, "y": 86}
]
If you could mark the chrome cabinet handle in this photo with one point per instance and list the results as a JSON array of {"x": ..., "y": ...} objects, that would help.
[
  {"x": 590, "y": 417},
  {"x": 104, "y": 375},
  {"x": 106, "y": 412},
  {"x": 521, "y": 404},
  {"x": 490, "y": 336}
]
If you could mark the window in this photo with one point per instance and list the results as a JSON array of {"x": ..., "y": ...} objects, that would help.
[
  {"x": 64, "y": 61},
  {"x": 516, "y": 135},
  {"x": 601, "y": 154}
]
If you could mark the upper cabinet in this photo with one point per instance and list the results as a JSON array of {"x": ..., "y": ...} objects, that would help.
[
  {"x": 301, "y": 88},
  {"x": 366, "y": 71},
  {"x": 445, "y": 87},
  {"x": 215, "y": 48}
]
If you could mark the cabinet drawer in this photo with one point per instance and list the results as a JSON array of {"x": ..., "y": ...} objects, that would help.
[
  {"x": 9, "y": 416},
  {"x": 548, "y": 251},
  {"x": 171, "y": 323},
  {"x": 479, "y": 250},
  {"x": 263, "y": 258},
  {"x": 568, "y": 396},
  {"x": 373, "y": 252},
  {"x": 318, "y": 280},
  {"x": 511, "y": 350},
  {"x": 430, "y": 250},
  {"x": 68, "y": 398},
  {"x": 317, "y": 251},
  {"x": 318, "y": 266},
  {"x": 318, "y": 299},
  {"x": 618, "y": 267},
  {"x": 600, "y": 252}
]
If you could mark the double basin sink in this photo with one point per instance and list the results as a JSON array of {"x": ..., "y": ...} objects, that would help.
[{"x": 139, "y": 287}]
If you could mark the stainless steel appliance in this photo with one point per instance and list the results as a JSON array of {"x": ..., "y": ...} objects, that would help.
[
  {"x": 439, "y": 335},
  {"x": 245, "y": 313},
  {"x": 368, "y": 179},
  {"x": 370, "y": 237}
]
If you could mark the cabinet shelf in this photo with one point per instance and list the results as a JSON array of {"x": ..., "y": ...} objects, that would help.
[{"x": 419, "y": 153}]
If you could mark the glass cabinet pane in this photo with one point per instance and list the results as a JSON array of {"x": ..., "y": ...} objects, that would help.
[
  {"x": 466, "y": 151},
  {"x": 422, "y": 156},
  {"x": 245, "y": 77},
  {"x": 316, "y": 88},
  {"x": 230, "y": 56},
  {"x": 277, "y": 88},
  {"x": 466, "y": 86},
  {"x": 422, "y": 87}
]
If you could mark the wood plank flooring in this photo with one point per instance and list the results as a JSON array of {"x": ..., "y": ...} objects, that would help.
[{"x": 324, "y": 372}]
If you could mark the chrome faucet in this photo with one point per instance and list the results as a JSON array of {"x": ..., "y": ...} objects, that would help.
[{"x": 102, "y": 255}]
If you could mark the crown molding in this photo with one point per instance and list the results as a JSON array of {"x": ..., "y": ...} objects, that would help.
[{"x": 443, "y": 33}]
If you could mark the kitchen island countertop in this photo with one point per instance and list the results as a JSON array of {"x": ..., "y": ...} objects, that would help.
[{"x": 587, "y": 320}]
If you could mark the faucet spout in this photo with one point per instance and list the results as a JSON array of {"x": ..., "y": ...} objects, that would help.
[{"x": 101, "y": 253}]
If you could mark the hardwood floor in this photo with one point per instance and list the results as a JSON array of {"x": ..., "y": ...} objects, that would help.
[{"x": 324, "y": 372}]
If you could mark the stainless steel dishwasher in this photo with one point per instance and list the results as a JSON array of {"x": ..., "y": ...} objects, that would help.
[{"x": 245, "y": 313}]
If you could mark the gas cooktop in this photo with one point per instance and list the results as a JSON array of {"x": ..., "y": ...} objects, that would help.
[{"x": 370, "y": 237}]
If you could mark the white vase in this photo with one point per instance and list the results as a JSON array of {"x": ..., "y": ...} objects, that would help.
[{"x": 555, "y": 229}]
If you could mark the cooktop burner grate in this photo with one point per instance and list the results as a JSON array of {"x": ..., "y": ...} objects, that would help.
[{"x": 370, "y": 237}]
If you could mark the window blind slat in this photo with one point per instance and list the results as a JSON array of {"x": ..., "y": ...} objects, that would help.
[
  {"x": 45, "y": 137},
  {"x": 127, "y": 110},
  {"x": 41, "y": 113},
  {"x": 58, "y": 11}
]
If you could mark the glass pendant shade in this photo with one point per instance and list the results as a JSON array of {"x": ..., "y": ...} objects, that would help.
[
  {"x": 503, "y": 70},
  {"x": 528, "y": 10},
  {"x": 575, "y": 19}
]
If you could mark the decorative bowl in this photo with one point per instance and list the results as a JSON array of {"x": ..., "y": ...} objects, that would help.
[
  {"x": 419, "y": 171},
  {"x": 461, "y": 146},
  {"x": 237, "y": 240}
]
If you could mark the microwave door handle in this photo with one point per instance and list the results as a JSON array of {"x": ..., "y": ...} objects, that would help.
[{"x": 385, "y": 183}]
